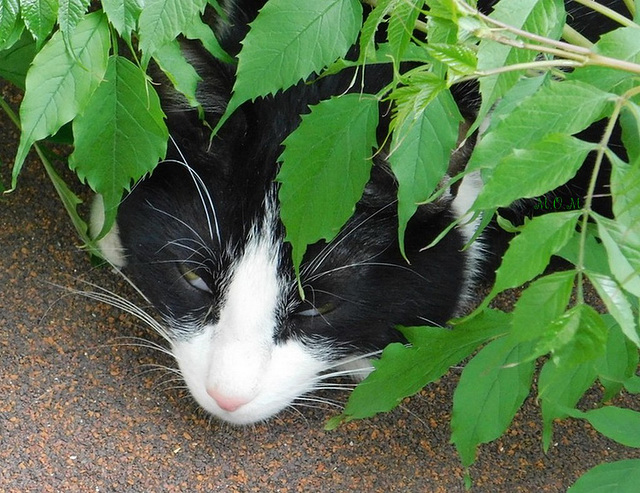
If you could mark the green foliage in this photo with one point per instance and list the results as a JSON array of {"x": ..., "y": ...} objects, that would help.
[
  {"x": 67, "y": 61},
  {"x": 334, "y": 141}
]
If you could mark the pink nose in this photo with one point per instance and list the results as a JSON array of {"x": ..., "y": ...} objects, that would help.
[{"x": 227, "y": 402}]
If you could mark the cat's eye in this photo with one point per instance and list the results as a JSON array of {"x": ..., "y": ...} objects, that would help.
[
  {"x": 194, "y": 279},
  {"x": 316, "y": 311}
]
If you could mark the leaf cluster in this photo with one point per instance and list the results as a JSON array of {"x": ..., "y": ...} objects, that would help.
[{"x": 67, "y": 61}]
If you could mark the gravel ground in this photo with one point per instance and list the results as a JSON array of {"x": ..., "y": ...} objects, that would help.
[{"x": 84, "y": 408}]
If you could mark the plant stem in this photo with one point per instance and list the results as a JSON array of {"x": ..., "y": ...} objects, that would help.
[
  {"x": 10, "y": 113},
  {"x": 586, "y": 210},
  {"x": 606, "y": 11},
  {"x": 572, "y": 36}
]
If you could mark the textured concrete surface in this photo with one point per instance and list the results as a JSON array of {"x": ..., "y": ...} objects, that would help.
[{"x": 84, "y": 406}]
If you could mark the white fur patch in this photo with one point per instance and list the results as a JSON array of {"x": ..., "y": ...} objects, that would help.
[
  {"x": 234, "y": 368},
  {"x": 468, "y": 191},
  {"x": 110, "y": 245}
]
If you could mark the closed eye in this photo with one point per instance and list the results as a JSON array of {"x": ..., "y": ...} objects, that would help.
[
  {"x": 316, "y": 311},
  {"x": 194, "y": 279}
]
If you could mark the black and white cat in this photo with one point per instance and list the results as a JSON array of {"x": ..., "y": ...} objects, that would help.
[{"x": 201, "y": 238}]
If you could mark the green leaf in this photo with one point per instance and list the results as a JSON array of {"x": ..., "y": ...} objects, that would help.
[
  {"x": 179, "y": 71},
  {"x": 531, "y": 172},
  {"x": 492, "y": 388},
  {"x": 623, "y": 44},
  {"x": 543, "y": 17},
  {"x": 540, "y": 303},
  {"x": 15, "y": 61},
  {"x": 401, "y": 26},
  {"x": 630, "y": 123},
  {"x": 370, "y": 26},
  {"x": 123, "y": 15},
  {"x": 632, "y": 385},
  {"x": 105, "y": 155},
  {"x": 460, "y": 59},
  {"x": 560, "y": 387},
  {"x": 559, "y": 107},
  {"x": 39, "y": 16},
  {"x": 403, "y": 370},
  {"x": 69, "y": 14},
  {"x": 421, "y": 149},
  {"x": 197, "y": 29},
  {"x": 69, "y": 200},
  {"x": 617, "y": 423},
  {"x": 58, "y": 85},
  {"x": 617, "y": 304},
  {"x": 310, "y": 36},
  {"x": 594, "y": 256},
  {"x": 326, "y": 164},
  {"x": 8, "y": 19},
  {"x": 162, "y": 20},
  {"x": 625, "y": 188},
  {"x": 614, "y": 477},
  {"x": 623, "y": 251},
  {"x": 619, "y": 362},
  {"x": 529, "y": 252},
  {"x": 577, "y": 336}
]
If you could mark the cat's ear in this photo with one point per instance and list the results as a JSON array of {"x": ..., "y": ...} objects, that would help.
[{"x": 193, "y": 124}]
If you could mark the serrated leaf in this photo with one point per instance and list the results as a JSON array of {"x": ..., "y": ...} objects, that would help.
[
  {"x": 623, "y": 252},
  {"x": 531, "y": 172},
  {"x": 577, "y": 336},
  {"x": 310, "y": 36},
  {"x": 421, "y": 149},
  {"x": 162, "y": 20},
  {"x": 492, "y": 388},
  {"x": 559, "y": 107},
  {"x": 8, "y": 19},
  {"x": 401, "y": 26},
  {"x": 543, "y": 301},
  {"x": 326, "y": 164},
  {"x": 123, "y": 15},
  {"x": 15, "y": 61},
  {"x": 529, "y": 252},
  {"x": 58, "y": 84},
  {"x": 69, "y": 14},
  {"x": 403, "y": 370},
  {"x": 619, "y": 362},
  {"x": 39, "y": 16},
  {"x": 614, "y": 477},
  {"x": 179, "y": 71},
  {"x": 543, "y": 17},
  {"x": 559, "y": 388},
  {"x": 105, "y": 155},
  {"x": 370, "y": 26},
  {"x": 460, "y": 59},
  {"x": 617, "y": 304}
]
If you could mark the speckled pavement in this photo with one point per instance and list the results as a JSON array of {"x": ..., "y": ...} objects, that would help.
[{"x": 84, "y": 408}]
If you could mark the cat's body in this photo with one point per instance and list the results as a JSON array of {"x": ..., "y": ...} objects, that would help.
[{"x": 202, "y": 240}]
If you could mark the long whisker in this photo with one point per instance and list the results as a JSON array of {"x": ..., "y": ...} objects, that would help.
[
  {"x": 202, "y": 192},
  {"x": 315, "y": 264}
]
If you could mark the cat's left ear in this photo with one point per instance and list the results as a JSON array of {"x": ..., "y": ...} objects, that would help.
[{"x": 187, "y": 124}]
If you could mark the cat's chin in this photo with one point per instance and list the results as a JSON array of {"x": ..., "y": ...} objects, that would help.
[{"x": 251, "y": 384}]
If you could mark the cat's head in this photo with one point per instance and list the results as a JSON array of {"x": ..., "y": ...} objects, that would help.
[{"x": 202, "y": 240}]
